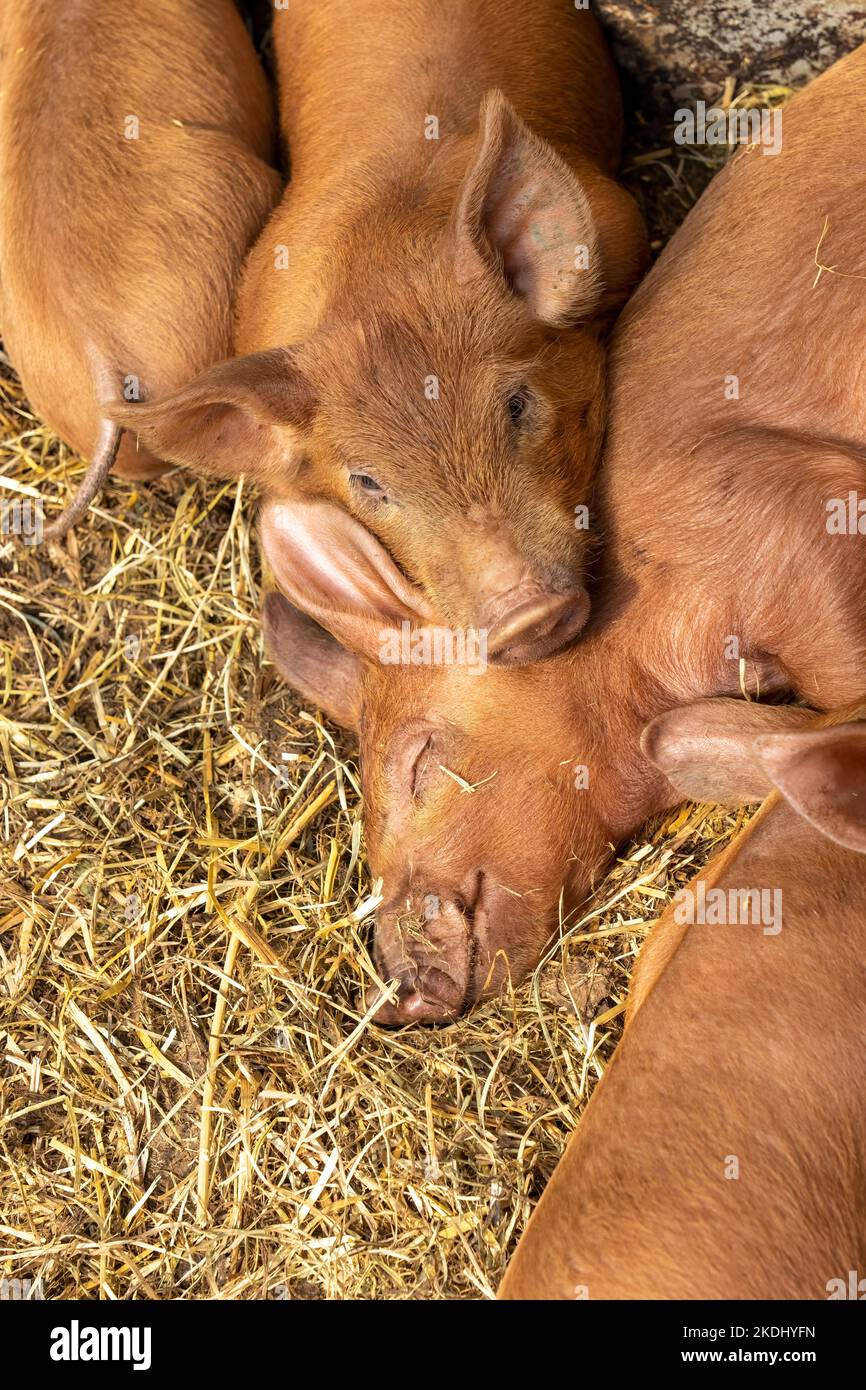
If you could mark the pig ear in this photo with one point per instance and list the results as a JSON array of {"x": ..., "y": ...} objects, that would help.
[
  {"x": 522, "y": 211},
  {"x": 822, "y": 774},
  {"x": 334, "y": 569},
  {"x": 312, "y": 661},
  {"x": 707, "y": 749},
  {"x": 240, "y": 416}
]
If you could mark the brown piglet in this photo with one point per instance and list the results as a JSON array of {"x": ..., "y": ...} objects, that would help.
[
  {"x": 495, "y": 798},
  {"x": 722, "y": 1154},
  {"x": 134, "y": 143},
  {"x": 423, "y": 317}
]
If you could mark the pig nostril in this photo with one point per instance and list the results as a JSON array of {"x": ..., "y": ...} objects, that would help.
[
  {"x": 438, "y": 988},
  {"x": 429, "y": 955},
  {"x": 537, "y": 627}
]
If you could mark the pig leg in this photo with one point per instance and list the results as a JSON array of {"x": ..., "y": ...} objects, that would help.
[{"x": 137, "y": 463}]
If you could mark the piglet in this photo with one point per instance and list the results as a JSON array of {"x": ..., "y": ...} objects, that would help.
[
  {"x": 423, "y": 395},
  {"x": 134, "y": 143}
]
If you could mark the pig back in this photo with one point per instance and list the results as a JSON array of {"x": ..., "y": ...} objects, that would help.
[
  {"x": 133, "y": 156},
  {"x": 737, "y": 326},
  {"x": 359, "y": 74}
]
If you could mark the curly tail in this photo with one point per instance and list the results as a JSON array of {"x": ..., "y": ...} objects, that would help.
[{"x": 98, "y": 470}]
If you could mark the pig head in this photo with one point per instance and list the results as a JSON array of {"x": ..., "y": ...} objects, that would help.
[
  {"x": 447, "y": 399},
  {"x": 480, "y": 830},
  {"x": 494, "y": 799}
]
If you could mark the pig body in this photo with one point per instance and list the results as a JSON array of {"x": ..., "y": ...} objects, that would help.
[
  {"x": 423, "y": 380},
  {"x": 722, "y": 506},
  {"x": 719, "y": 572},
  {"x": 722, "y": 1155},
  {"x": 133, "y": 161}
]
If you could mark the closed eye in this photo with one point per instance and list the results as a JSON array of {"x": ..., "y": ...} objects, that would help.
[
  {"x": 424, "y": 764},
  {"x": 412, "y": 763}
]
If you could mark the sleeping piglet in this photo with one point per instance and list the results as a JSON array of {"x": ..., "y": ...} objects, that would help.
[{"x": 422, "y": 395}]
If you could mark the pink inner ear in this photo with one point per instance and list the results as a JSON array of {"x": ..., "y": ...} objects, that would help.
[
  {"x": 823, "y": 775},
  {"x": 532, "y": 226},
  {"x": 522, "y": 200},
  {"x": 336, "y": 570}
]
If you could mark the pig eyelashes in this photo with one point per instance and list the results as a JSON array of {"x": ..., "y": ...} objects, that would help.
[
  {"x": 423, "y": 769},
  {"x": 368, "y": 486},
  {"x": 517, "y": 404}
]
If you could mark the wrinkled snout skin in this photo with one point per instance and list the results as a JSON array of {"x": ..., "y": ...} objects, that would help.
[
  {"x": 445, "y": 954},
  {"x": 427, "y": 946}
]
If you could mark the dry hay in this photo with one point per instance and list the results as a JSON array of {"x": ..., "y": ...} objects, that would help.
[{"x": 190, "y": 1104}]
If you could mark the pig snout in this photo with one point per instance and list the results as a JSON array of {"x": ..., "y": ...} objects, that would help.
[
  {"x": 423, "y": 942},
  {"x": 536, "y": 627},
  {"x": 528, "y": 604}
]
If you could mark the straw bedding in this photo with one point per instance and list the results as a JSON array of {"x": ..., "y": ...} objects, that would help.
[{"x": 191, "y": 1105}]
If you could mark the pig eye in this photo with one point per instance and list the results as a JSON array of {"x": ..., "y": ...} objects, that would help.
[
  {"x": 412, "y": 764},
  {"x": 517, "y": 405},
  {"x": 425, "y": 764},
  {"x": 365, "y": 483}
]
